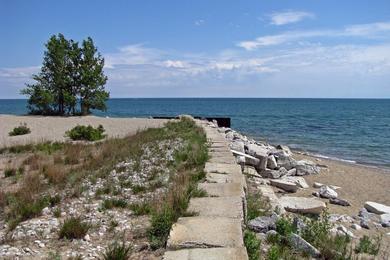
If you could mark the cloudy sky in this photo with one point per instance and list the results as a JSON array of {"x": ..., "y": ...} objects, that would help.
[{"x": 206, "y": 48}]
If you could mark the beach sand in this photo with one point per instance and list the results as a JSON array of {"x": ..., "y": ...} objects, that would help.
[{"x": 54, "y": 128}]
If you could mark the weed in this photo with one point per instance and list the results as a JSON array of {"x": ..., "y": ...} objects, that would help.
[
  {"x": 117, "y": 251},
  {"x": 57, "y": 212},
  {"x": 252, "y": 244},
  {"x": 285, "y": 227},
  {"x": 143, "y": 208},
  {"x": 55, "y": 174},
  {"x": 9, "y": 172},
  {"x": 368, "y": 246},
  {"x": 73, "y": 228},
  {"x": 112, "y": 225},
  {"x": 198, "y": 193},
  {"x": 114, "y": 203},
  {"x": 20, "y": 130},
  {"x": 138, "y": 189},
  {"x": 257, "y": 205}
]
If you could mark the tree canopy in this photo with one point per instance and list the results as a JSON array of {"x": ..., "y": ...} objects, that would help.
[{"x": 71, "y": 80}]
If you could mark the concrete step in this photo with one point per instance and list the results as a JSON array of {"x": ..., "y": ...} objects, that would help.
[
  {"x": 228, "y": 207},
  {"x": 225, "y": 160},
  {"x": 234, "y": 169},
  {"x": 223, "y": 189},
  {"x": 205, "y": 232},
  {"x": 237, "y": 253}
]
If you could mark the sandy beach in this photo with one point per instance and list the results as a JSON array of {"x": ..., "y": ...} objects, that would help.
[{"x": 54, "y": 128}]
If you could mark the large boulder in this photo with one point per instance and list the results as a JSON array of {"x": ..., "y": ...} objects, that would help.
[
  {"x": 340, "y": 202},
  {"x": 327, "y": 192},
  {"x": 259, "y": 152},
  {"x": 285, "y": 160},
  {"x": 385, "y": 220},
  {"x": 285, "y": 185},
  {"x": 302, "y": 205},
  {"x": 305, "y": 167},
  {"x": 300, "y": 181},
  {"x": 271, "y": 162},
  {"x": 376, "y": 208},
  {"x": 237, "y": 145},
  {"x": 285, "y": 149},
  {"x": 273, "y": 174},
  {"x": 263, "y": 224},
  {"x": 301, "y": 244}
]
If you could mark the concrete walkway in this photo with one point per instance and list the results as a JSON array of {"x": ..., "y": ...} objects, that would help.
[{"x": 216, "y": 230}]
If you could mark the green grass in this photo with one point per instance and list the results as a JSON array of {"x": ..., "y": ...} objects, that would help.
[
  {"x": 86, "y": 133},
  {"x": 257, "y": 205},
  {"x": 114, "y": 203},
  {"x": 142, "y": 208},
  {"x": 252, "y": 244},
  {"x": 368, "y": 246},
  {"x": 73, "y": 228}
]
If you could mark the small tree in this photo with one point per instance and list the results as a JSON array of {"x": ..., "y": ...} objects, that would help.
[{"x": 92, "y": 93}]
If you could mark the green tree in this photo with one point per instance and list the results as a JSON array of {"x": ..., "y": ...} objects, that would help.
[
  {"x": 92, "y": 78},
  {"x": 69, "y": 76}
]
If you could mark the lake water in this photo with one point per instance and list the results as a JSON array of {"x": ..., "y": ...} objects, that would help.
[{"x": 349, "y": 129}]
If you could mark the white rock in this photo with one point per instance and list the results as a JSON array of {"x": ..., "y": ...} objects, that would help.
[
  {"x": 284, "y": 185},
  {"x": 327, "y": 192},
  {"x": 271, "y": 163},
  {"x": 376, "y": 208},
  {"x": 305, "y": 167},
  {"x": 317, "y": 185},
  {"x": 356, "y": 227},
  {"x": 87, "y": 238},
  {"x": 385, "y": 220},
  {"x": 300, "y": 181},
  {"x": 302, "y": 205}
]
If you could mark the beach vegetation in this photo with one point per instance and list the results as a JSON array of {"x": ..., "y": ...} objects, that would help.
[
  {"x": 71, "y": 80},
  {"x": 117, "y": 251},
  {"x": 9, "y": 172},
  {"x": 73, "y": 228},
  {"x": 257, "y": 205},
  {"x": 252, "y": 244},
  {"x": 86, "y": 133},
  {"x": 20, "y": 130},
  {"x": 368, "y": 245}
]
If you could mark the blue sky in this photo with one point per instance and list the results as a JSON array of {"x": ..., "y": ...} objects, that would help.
[{"x": 209, "y": 48}]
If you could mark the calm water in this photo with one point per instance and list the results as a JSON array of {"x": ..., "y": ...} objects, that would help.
[{"x": 349, "y": 129}]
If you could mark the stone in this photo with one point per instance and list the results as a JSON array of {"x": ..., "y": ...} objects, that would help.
[
  {"x": 376, "y": 208},
  {"x": 317, "y": 185},
  {"x": 299, "y": 243},
  {"x": 292, "y": 172},
  {"x": 305, "y": 167},
  {"x": 204, "y": 232},
  {"x": 284, "y": 185},
  {"x": 207, "y": 253},
  {"x": 249, "y": 160},
  {"x": 271, "y": 162},
  {"x": 251, "y": 171},
  {"x": 229, "y": 207},
  {"x": 356, "y": 227},
  {"x": 285, "y": 149},
  {"x": 315, "y": 194},
  {"x": 327, "y": 192},
  {"x": 263, "y": 224},
  {"x": 268, "y": 192},
  {"x": 302, "y": 205},
  {"x": 299, "y": 224},
  {"x": 300, "y": 181},
  {"x": 340, "y": 202},
  {"x": 285, "y": 160},
  {"x": 257, "y": 151},
  {"x": 385, "y": 220},
  {"x": 345, "y": 231},
  {"x": 237, "y": 146},
  {"x": 364, "y": 213},
  {"x": 364, "y": 223},
  {"x": 87, "y": 238},
  {"x": 273, "y": 174}
]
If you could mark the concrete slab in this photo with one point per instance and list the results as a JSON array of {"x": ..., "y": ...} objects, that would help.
[
  {"x": 222, "y": 189},
  {"x": 234, "y": 169},
  {"x": 205, "y": 232},
  {"x": 238, "y": 253},
  {"x": 223, "y": 178},
  {"x": 269, "y": 193},
  {"x": 226, "y": 160},
  {"x": 228, "y": 207}
]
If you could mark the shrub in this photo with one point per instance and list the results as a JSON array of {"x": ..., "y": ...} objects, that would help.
[
  {"x": 73, "y": 228},
  {"x": 368, "y": 246},
  {"x": 114, "y": 203},
  {"x": 252, "y": 244},
  {"x": 20, "y": 130},
  {"x": 161, "y": 223},
  {"x": 86, "y": 133},
  {"x": 257, "y": 205},
  {"x": 9, "y": 172},
  {"x": 198, "y": 193},
  {"x": 55, "y": 174},
  {"x": 57, "y": 212},
  {"x": 117, "y": 251},
  {"x": 284, "y": 227}
]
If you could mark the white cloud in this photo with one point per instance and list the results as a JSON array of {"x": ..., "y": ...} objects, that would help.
[
  {"x": 175, "y": 64},
  {"x": 199, "y": 22},
  {"x": 282, "y": 18},
  {"x": 359, "y": 30}
]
